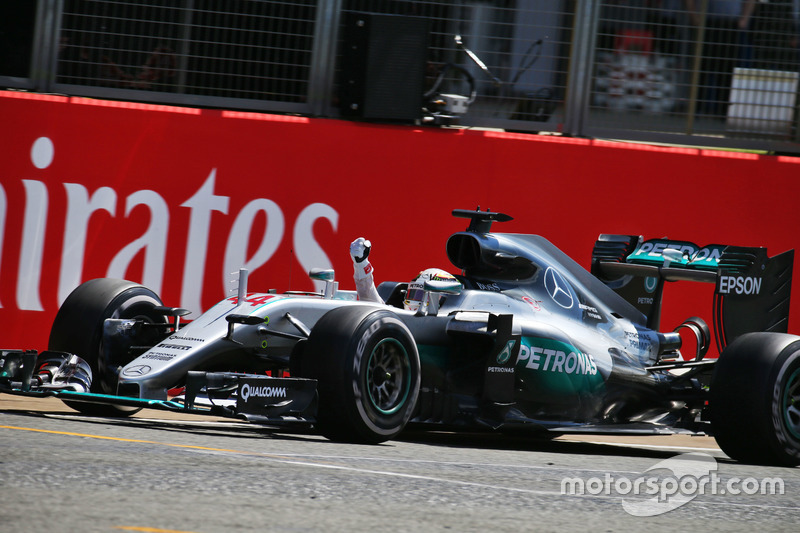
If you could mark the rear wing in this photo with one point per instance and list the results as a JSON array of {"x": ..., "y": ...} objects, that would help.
[{"x": 752, "y": 290}]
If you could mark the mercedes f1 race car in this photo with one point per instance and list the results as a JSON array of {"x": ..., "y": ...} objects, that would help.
[{"x": 524, "y": 339}]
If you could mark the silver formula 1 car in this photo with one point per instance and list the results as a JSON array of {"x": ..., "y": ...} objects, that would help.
[{"x": 525, "y": 340}]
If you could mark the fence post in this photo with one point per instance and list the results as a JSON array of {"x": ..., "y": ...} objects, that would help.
[
  {"x": 323, "y": 60},
  {"x": 579, "y": 81},
  {"x": 697, "y": 60}
]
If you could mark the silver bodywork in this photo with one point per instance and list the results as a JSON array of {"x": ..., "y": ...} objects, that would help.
[{"x": 574, "y": 333}]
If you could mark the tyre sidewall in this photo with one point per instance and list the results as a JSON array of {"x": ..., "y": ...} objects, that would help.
[
  {"x": 337, "y": 356},
  {"x": 746, "y": 399},
  {"x": 78, "y": 326},
  {"x": 376, "y": 328},
  {"x": 785, "y": 443},
  {"x": 133, "y": 303},
  {"x": 78, "y": 329}
]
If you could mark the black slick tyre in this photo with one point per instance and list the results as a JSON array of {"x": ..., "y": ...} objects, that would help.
[
  {"x": 755, "y": 399},
  {"x": 368, "y": 373},
  {"x": 78, "y": 329}
]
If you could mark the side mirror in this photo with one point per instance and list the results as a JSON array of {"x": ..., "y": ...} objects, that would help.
[
  {"x": 249, "y": 320},
  {"x": 175, "y": 312},
  {"x": 432, "y": 290},
  {"x": 327, "y": 276},
  {"x": 444, "y": 287}
]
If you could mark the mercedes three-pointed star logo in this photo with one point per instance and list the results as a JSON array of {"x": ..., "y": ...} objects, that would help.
[
  {"x": 558, "y": 288},
  {"x": 138, "y": 370}
]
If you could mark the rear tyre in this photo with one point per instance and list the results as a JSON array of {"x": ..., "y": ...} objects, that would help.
[
  {"x": 367, "y": 367},
  {"x": 78, "y": 329},
  {"x": 755, "y": 399}
]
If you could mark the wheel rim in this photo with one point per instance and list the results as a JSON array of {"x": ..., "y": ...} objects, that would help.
[
  {"x": 388, "y": 376},
  {"x": 791, "y": 404}
]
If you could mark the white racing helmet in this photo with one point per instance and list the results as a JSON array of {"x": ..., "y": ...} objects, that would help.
[{"x": 415, "y": 294}]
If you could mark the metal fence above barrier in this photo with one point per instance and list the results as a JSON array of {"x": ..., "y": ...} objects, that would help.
[{"x": 711, "y": 72}]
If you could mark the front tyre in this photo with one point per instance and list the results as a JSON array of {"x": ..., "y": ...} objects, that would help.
[
  {"x": 78, "y": 329},
  {"x": 755, "y": 399},
  {"x": 368, "y": 372}
]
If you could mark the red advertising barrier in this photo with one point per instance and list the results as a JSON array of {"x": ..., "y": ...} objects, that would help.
[{"x": 178, "y": 199}]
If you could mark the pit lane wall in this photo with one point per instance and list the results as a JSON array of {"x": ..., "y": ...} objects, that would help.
[{"x": 179, "y": 198}]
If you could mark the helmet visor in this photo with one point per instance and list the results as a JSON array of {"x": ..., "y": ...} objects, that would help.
[{"x": 415, "y": 295}]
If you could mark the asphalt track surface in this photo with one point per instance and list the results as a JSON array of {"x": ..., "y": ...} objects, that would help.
[{"x": 61, "y": 471}]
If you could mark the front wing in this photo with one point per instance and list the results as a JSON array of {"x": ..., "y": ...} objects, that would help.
[{"x": 256, "y": 398}]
